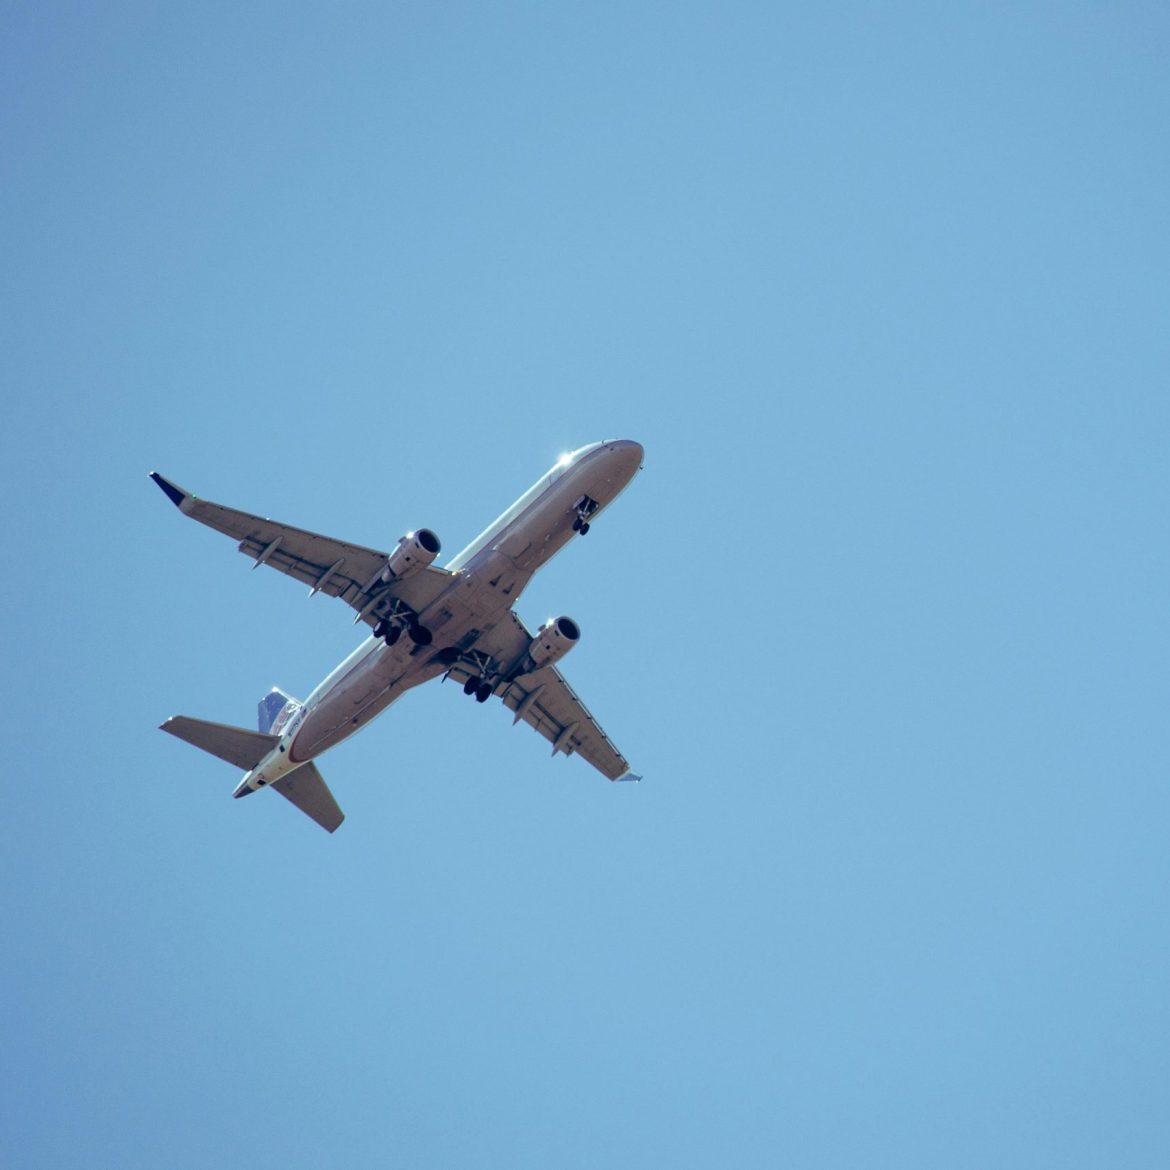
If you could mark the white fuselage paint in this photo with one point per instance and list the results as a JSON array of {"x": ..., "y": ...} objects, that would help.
[{"x": 488, "y": 576}]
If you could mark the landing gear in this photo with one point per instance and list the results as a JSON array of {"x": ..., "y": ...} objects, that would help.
[
  {"x": 483, "y": 672},
  {"x": 481, "y": 688},
  {"x": 584, "y": 508},
  {"x": 388, "y": 631},
  {"x": 398, "y": 618}
]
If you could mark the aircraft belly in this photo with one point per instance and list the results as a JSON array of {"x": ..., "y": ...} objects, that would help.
[
  {"x": 352, "y": 702},
  {"x": 386, "y": 673},
  {"x": 492, "y": 582}
]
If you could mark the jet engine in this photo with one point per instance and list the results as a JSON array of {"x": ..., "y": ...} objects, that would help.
[
  {"x": 553, "y": 641},
  {"x": 415, "y": 551}
]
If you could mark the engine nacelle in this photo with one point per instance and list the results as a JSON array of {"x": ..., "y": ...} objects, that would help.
[
  {"x": 415, "y": 551},
  {"x": 553, "y": 641}
]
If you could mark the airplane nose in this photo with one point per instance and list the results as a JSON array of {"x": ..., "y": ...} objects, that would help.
[{"x": 629, "y": 452}]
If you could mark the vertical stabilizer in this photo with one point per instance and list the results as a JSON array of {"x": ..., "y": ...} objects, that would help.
[{"x": 275, "y": 710}]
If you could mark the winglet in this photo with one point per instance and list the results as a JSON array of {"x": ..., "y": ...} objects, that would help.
[
  {"x": 174, "y": 493},
  {"x": 629, "y": 777}
]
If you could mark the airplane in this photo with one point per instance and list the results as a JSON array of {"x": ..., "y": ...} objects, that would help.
[{"x": 455, "y": 621}]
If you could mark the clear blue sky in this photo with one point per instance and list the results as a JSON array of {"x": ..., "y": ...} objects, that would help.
[{"x": 883, "y": 290}]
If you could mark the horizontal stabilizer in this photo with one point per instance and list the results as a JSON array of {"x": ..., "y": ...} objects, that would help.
[
  {"x": 309, "y": 792},
  {"x": 236, "y": 745}
]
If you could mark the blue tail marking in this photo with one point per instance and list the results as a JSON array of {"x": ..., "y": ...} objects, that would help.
[{"x": 275, "y": 710}]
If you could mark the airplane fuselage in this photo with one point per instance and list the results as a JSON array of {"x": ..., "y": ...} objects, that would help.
[{"x": 488, "y": 577}]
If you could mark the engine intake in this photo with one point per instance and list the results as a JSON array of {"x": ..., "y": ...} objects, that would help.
[
  {"x": 415, "y": 551},
  {"x": 553, "y": 641}
]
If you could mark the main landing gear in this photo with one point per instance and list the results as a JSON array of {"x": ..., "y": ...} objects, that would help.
[
  {"x": 479, "y": 687},
  {"x": 391, "y": 631},
  {"x": 481, "y": 683}
]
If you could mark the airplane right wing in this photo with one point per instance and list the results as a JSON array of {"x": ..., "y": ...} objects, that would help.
[
  {"x": 330, "y": 566},
  {"x": 546, "y": 702}
]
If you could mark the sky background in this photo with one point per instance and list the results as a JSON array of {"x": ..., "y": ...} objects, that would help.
[{"x": 883, "y": 290}]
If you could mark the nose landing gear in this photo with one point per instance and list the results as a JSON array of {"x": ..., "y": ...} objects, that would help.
[{"x": 583, "y": 509}]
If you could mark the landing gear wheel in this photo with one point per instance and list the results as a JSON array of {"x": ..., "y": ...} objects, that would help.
[
  {"x": 420, "y": 635},
  {"x": 584, "y": 527},
  {"x": 483, "y": 692},
  {"x": 577, "y": 524},
  {"x": 470, "y": 685},
  {"x": 393, "y": 634},
  {"x": 380, "y": 630}
]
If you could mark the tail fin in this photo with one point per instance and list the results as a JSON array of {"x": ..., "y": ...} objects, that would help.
[
  {"x": 303, "y": 786},
  {"x": 276, "y": 709},
  {"x": 236, "y": 745}
]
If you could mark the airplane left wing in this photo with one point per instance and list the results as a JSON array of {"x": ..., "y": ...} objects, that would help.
[
  {"x": 330, "y": 566},
  {"x": 546, "y": 702}
]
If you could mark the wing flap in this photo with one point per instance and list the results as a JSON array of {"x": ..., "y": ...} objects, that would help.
[{"x": 555, "y": 710}]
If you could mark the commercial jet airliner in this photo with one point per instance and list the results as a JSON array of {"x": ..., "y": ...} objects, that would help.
[{"x": 455, "y": 621}]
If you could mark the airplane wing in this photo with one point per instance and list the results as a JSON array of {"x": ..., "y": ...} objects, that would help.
[
  {"x": 335, "y": 567},
  {"x": 545, "y": 701}
]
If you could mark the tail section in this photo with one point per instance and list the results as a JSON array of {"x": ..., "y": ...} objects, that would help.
[
  {"x": 302, "y": 786},
  {"x": 276, "y": 709},
  {"x": 236, "y": 745}
]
